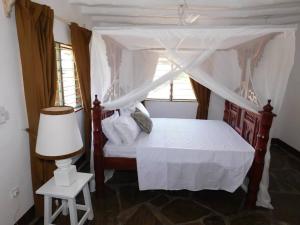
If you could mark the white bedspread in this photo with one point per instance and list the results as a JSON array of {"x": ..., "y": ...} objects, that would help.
[
  {"x": 192, "y": 155},
  {"x": 189, "y": 154}
]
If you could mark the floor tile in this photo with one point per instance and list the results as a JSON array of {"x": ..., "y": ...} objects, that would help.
[
  {"x": 124, "y": 204},
  {"x": 181, "y": 210}
]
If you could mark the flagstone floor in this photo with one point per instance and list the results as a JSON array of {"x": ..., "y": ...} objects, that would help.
[{"x": 124, "y": 204}]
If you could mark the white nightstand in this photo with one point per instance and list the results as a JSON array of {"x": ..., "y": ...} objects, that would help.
[{"x": 67, "y": 195}]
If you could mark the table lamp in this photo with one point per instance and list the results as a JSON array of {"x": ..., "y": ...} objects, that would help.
[{"x": 59, "y": 139}]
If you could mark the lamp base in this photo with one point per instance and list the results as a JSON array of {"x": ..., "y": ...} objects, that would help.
[{"x": 65, "y": 174}]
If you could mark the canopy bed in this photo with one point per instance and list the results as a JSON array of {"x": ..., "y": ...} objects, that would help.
[
  {"x": 254, "y": 128},
  {"x": 246, "y": 66}
]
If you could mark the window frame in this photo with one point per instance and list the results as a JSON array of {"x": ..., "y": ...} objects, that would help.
[
  {"x": 171, "y": 99},
  {"x": 60, "y": 84}
]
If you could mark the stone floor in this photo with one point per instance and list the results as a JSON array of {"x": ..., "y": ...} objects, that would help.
[{"x": 124, "y": 204}]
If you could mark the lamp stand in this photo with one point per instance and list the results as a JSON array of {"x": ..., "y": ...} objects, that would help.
[{"x": 65, "y": 174}]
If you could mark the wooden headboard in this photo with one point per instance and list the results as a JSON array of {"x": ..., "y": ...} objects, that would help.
[
  {"x": 251, "y": 126},
  {"x": 254, "y": 128},
  {"x": 244, "y": 122}
]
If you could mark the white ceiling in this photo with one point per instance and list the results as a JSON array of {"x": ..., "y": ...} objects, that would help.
[{"x": 206, "y": 12}]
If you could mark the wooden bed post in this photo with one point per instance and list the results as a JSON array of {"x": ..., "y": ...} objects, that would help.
[
  {"x": 256, "y": 171},
  {"x": 98, "y": 146},
  {"x": 226, "y": 112}
]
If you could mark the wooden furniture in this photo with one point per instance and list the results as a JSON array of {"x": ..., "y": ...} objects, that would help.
[
  {"x": 254, "y": 128},
  {"x": 67, "y": 195}
]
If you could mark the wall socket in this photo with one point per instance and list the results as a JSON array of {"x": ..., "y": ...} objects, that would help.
[
  {"x": 14, "y": 192},
  {"x": 4, "y": 116}
]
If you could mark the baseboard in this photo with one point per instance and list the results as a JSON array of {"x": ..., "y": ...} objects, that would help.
[
  {"x": 27, "y": 218},
  {"x": 286, "y": 147}
]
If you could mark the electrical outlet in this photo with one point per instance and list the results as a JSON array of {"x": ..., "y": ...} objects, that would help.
[
  {"x": 14, "y": 192},
  {"x": 4, "y": 116}
]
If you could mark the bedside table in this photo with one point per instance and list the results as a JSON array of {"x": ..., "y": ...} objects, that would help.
[{"x": 67, "y": 195}]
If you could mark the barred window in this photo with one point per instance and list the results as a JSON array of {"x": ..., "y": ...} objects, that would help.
[
  {"x": 180, "y": 89},
  {"x": 68, "y": 90}
]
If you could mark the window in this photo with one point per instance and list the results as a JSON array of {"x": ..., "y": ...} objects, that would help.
[
  {"x": 68, "y": 90},
  {"x": 180, "y": 89}
]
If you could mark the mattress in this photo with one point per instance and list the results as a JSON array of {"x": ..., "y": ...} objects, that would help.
[
  {"x": 123, "y": 151},
  {"x": 189, "y": 134},
  {"x": 188, "y": 154}
]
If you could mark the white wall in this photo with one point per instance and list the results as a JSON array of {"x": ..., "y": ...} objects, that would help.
[
  {"x": 14, "y": 147},
  {"x": 288, "y": 128},
  {"x": 166, "y": 109}
]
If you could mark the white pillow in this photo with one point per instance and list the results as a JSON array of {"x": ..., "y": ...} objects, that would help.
[
  {"x": 142, "y": 108},
  {"x": 109, "y": 130},
  {"x": 127, "y": 129}
]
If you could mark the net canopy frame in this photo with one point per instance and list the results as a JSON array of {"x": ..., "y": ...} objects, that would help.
[{"x": 247, "y": 65}]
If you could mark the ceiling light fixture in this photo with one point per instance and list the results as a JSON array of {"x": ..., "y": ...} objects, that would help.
[{"x": 184, "y": 18}]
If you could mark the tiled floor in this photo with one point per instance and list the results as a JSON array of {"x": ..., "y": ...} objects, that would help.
[{"x": 124, "y": 204}]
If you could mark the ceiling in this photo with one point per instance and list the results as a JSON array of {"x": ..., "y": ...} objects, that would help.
[{"x": 205, "y": 12}]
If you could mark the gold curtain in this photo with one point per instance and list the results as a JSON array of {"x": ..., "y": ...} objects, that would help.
[
  {"x": 36, "y": 42},
  {"x": 202, "y": 95},
  {"x": 80, "y": 38}
]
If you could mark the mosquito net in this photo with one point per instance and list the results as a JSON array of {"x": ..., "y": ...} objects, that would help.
[{"x": 246, "y": 65}]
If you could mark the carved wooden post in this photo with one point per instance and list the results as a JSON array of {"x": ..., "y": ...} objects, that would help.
[
  {"x": 261, "y": 146},
  {"x": 226, "y": 111},
  {"x": 98, "y": 146}
]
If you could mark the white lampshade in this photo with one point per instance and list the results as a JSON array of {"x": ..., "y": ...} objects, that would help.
[{"x": 58, "y": 134}]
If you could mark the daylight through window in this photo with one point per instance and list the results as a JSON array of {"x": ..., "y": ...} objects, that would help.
[
  {"x": 68, "y": 90},
  {"x": 180, "y": 89}
]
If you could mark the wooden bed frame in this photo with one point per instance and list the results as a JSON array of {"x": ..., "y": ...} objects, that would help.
[{"x": 254, "y": 128}]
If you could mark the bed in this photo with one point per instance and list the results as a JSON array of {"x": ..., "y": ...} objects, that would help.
[{"x": 206, "y": 141}]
